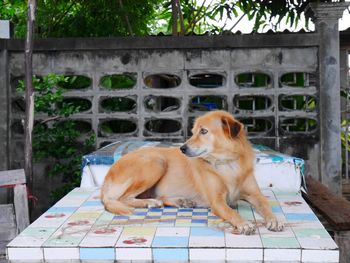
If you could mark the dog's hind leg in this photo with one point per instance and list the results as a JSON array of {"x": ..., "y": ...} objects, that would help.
[{"x": 128, "y": 179}]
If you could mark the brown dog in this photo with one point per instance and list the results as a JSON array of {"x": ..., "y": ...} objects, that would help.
[{"x": 214, "y": 168}]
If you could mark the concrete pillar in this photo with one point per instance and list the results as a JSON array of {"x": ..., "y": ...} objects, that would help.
[{"x": 325, "y": 17}]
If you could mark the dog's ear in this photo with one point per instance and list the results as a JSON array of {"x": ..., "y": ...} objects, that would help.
[{"x": 231, "y": 127}]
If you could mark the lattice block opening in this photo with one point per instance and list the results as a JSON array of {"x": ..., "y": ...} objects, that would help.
[
  {"x": 298, "y": 80},
  {"x": 118, "y": 104},
  {"x": 118, "y": 81},
  {"x": 207, "y": 103},
  {"x": 162, "y": 81},
  {"x": 163, "y": 126},
  {"x": 82, "y": 104},
  {"x": 253, "y": 80},
  {"x": 297, "y": 102},
  {"x": 258, "y": 126},
  {"x": 117, "y": 126},
  {"x": 76, "y": 82},
  {"x": 298, "y": 125},
  {"x": 161, "y": 103},
  {"x": 207, "y": 80},
  {"x": 18, "y": 105},
  {"x": 252, "y": 103}
]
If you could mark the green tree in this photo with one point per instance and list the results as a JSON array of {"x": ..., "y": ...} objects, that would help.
[
  {"x": 56, "y": 139},
  {"x": 105, "y": 18},
  {"x": 83, "y": 18}
]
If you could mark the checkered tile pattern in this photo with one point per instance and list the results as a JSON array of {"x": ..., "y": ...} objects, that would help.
[{"x": 79, "y": 228}]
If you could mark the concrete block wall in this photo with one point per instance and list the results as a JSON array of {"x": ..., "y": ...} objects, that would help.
[{"x": 218, "y": 70}]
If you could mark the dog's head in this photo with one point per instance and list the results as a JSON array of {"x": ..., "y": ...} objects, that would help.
[{"x": 217, "y": 134}]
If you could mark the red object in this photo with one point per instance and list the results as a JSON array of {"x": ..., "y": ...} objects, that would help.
[
  {"x": 137, "y": 240},
  {"x": 30, "y": 196},
  {"x": 78, "y": 223},
  {"x": 55, "y": 216},
  {"x": 105, "y": 231}
]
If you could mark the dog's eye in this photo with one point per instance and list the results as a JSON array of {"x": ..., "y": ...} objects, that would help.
[{"x": 203, "y": 131}]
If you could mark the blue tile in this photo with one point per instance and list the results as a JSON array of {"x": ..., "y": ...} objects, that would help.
[
  {"x": 213, "y": 217},
  {"x": 155, "y": 209},
  {"x": 92, "y": 203},
  {"x": 185, "y": 210},
  {"x": 140, "y": 213},
  {"x": 300, "y": 217},
  {"x": 169, "y": 241},
  {"x": 200, "y": 213},
  {"x": 62, "y": 209},
  {"x": 173, "y": 254},
  {"x": 97, "y": 253},
  {"x": 205, "y": 231},
  {"x": 169, "y": 213},
  {"x": 276, "y": 209}
]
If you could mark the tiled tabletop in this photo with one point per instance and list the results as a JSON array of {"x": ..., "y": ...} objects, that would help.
[{"x": 78, "y": 227}]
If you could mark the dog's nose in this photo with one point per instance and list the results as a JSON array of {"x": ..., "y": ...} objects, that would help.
[{"x": 183, "y": 148}]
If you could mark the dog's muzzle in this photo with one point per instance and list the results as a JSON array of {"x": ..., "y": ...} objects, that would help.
[
  {"x": 190, "y": 152},
  {"x": 184, "y": 149}
]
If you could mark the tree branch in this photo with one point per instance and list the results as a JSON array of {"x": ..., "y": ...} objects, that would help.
[
  {"x": 29, "y": 94},
  {"x": 126, "y": 19},
  {"x": 174, "y": 12},
  {"x": 182, "y": 25},
  {"x": 198, "y": 16},
  {"x": 235, "y": 24},
  {"x": 50, "y": 119}
]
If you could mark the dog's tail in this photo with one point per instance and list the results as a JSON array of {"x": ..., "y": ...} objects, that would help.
[{"x": 110, "y": 198}]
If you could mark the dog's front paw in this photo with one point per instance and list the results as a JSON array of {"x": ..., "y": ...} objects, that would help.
[
  {"x": 274, "y": 224},
  {"x": 245, "y": 228}
]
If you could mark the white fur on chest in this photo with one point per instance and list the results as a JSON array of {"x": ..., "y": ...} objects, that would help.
[{"x": 229, "y": 172}]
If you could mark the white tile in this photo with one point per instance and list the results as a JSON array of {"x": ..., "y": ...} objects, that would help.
[
  {"x": 206, "y": 241},
  {"x": 102, "y": 241},
  {"x": 281, "y": 255},
  {"x": 317, "y": 243},
  {"x": 25, "y": 253},
  {"x": 173, "y": 231},
  {"x": 26, "y": 241},
  {"x": 243, "y": 241},
  {"x": 320, "y": 256},
  {"x": 102, "y": 237},
  {"x": 245, "y": 254},
  {"x": 305, "y": 224},
  {"x": 61, "y": 253},
  {"x": 207, "y": 254},
  {"x": 133, "y": 253}
]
